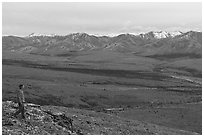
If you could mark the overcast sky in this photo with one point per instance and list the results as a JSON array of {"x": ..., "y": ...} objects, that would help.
[{"x": 99, "y": 18}]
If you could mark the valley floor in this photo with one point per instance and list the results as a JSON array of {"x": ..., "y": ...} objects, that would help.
[{"x": 129, "y": 96}]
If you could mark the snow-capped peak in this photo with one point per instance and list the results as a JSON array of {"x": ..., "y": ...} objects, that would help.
[
  {"x": 160, "y": 34},
  {"x": 175, "y": 33},
  {"x": 76, "y": 36},
  {"x": 165, "y": 34},
  {"x": 38, "y": 34}
]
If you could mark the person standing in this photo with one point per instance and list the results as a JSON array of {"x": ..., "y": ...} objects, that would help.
[{"x": 21, "y": 101}]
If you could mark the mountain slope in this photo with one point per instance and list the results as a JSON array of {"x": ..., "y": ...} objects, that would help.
[{"x": 152, "y": 43}]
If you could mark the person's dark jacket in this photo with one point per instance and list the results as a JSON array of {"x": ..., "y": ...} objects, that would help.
[{"x": 20, "y": 96}]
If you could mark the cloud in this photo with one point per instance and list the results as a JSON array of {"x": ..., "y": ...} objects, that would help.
[
  {"x": 99, "y": 18},
  {"x": 132, "y": 28}
]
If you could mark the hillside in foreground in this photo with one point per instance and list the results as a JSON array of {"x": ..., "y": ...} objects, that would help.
[{"x": 45, "y": 120}]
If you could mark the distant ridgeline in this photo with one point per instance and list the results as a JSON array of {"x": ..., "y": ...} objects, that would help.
[{"x": 152, "y": 44}]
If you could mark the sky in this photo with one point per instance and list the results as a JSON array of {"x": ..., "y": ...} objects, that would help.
[{"x": 23, "y": 19}]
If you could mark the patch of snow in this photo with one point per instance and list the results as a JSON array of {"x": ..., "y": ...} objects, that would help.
[
  {"x": 175, "y": 33},
  {"x": 161, "y": 34},
  {"x": 75, "y": 36},
  {"x": 44, "y": 35}
]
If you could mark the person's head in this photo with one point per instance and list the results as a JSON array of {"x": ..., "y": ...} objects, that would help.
[{"x": 21, "y": 86}]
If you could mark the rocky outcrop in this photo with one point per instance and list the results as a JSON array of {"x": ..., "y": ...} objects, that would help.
[{"x": 38, "y": 121}]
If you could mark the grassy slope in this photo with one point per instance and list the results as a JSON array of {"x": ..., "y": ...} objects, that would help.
[
  {"x": 106, "y": 89},
  {"x": 46, "y": 120}
]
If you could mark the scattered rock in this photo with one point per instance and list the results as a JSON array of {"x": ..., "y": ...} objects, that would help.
[
  {"x": 88, "y": 122},
  {"x": 55, "y": 120},
  {"x": 37, "y": 121}
]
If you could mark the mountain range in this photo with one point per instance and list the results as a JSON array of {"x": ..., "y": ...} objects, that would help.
[{"x": 147, "y": 44}]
